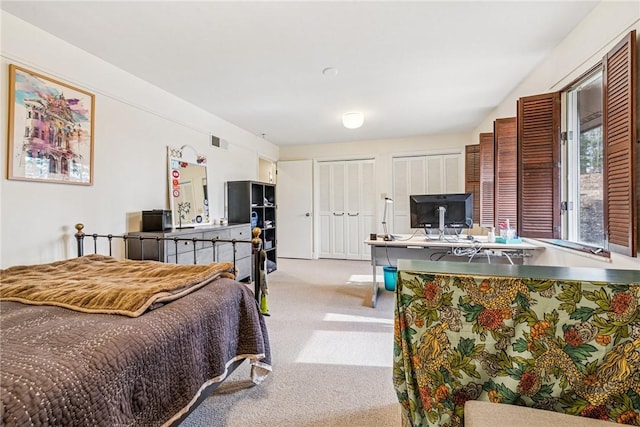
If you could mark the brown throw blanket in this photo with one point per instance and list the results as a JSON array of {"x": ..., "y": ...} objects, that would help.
[{"x": 102, "y": 284}]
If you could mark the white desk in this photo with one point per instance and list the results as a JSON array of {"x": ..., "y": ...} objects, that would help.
[{"x": 387, "y": 253}]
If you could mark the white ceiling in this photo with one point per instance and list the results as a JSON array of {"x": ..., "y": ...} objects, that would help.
[{"x": 413, "y": 68}]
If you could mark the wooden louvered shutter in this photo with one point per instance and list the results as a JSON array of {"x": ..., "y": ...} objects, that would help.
[
  {"x": 472, "y": 177},
  {"x": 539, "y": 166},
  {"x": 506, "y": 173},
  {"x": 486, "y": 180},
  {"x": 620, "y": 135}
]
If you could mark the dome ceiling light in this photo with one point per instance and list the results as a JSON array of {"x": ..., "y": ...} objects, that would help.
[
  {"x": 330, "y": 72},
  {"x": 352, "y": 120}
]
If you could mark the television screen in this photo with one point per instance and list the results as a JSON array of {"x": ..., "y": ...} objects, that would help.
[{"x": 424, "y": 210}]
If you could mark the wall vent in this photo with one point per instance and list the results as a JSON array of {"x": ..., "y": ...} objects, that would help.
[{"x": 219, "y": 143}]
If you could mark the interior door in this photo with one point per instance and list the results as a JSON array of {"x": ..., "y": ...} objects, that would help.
[{"x": 295, "y": 209}]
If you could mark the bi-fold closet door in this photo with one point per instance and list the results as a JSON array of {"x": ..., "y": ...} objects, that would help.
[
  {"x": 425, "y": 174},
  {"x": 346, "y": 208}
]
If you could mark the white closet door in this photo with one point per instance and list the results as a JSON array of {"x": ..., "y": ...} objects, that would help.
[
  {"x": 353, "y": 200},
  {"x": 418, "y": 169},
  {"x": 338, "y": 210},
  {"x": 360, "y": 203},
  {"x": 325, "y": 220},
  {"x": 408, "y": 178},
  {"x": 368, "y": 206},
  {"x": 434, "y": 174},
  {"x": 453, "y": 181},
  {"x": 346, "y": 208}
]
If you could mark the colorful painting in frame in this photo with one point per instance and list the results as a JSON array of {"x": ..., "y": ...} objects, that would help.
[{"x": 50, "y": 129}]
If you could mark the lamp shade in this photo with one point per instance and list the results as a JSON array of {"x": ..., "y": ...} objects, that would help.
[{"x": 352, "y": 120}]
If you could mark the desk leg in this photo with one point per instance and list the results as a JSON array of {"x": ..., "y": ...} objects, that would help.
[{"x": 374, "y": 297}]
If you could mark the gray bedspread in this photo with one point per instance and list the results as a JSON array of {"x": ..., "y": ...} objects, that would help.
[{"x": 60, "y": 367}]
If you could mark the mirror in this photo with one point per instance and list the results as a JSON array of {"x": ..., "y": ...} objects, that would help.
[{"x": 189, "y": 197}]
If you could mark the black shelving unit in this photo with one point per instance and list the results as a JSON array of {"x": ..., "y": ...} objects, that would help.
[{"x": 255, "y": 202}]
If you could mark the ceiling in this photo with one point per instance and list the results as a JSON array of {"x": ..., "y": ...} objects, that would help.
[{"x": 413, "y": 68}]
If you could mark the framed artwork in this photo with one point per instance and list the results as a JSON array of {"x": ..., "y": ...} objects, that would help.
[{"x": 50, "y": 129}]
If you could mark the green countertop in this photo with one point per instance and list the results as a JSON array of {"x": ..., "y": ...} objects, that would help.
[{"x": 523, "y": 271}]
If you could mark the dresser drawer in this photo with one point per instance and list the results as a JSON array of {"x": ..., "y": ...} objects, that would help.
[
  {"x": 244, "y": 268},
  {"x": 225, "y": 251},
  {"x": 217, "y": 234},
  {"x": 243, "y": 250},
  {"x": 182, "y": 245},
  {"x": 203, "y": 256},
  {"x": 240, "y": 233}
]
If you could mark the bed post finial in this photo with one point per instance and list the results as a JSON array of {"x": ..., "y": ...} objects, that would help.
[
  {"x": 256, "y": 238},
  {"x": 80, "y": 239}
]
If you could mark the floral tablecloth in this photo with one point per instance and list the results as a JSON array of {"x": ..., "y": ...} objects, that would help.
[{"x": 566, "y": 346}]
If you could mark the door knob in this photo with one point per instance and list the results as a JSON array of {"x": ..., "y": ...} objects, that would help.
[{"x": 307, "y": 214}]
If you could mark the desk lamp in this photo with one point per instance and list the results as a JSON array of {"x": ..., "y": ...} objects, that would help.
[{"x": 386, "y": 236}]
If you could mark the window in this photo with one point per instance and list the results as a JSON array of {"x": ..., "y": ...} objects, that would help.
[
  {"x": 583, "y": 156},
  {"x": 598, "y": 159}
]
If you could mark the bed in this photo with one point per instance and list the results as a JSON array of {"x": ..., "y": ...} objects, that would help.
[{"x": 95, "y": 340}]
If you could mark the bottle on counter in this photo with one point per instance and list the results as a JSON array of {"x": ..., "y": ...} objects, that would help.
[{"x": 491, "y": 237}]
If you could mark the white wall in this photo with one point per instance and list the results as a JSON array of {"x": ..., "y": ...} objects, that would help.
[
  {"x": 382, "y": 151},
  {"x": 134, "y": 123},
  {"x": 583, "y": 48}
]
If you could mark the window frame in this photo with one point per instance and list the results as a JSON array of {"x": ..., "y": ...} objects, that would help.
[{"x": 571, "y": 162}]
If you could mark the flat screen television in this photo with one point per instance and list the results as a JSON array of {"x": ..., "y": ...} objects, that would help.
[{"x": 424, "y": 210}]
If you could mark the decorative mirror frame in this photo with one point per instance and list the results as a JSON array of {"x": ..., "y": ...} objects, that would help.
[{"x": 187, "y": 213}]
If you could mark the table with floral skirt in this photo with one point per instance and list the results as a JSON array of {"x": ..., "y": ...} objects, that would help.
[{"x": 565, "y": 340}]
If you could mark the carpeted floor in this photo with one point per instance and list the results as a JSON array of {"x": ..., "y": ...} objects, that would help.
[{"x": 332, "y": 355}]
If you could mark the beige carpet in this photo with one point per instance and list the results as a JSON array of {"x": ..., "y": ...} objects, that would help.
[{"x": 331, "y": 352}]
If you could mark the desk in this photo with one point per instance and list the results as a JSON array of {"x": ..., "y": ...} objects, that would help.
[{"x": 421, "y": 248}]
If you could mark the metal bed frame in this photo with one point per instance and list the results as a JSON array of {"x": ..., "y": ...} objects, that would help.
[
  {"x": 255, "y": 242},
  {"x": 257, "y": 253}
]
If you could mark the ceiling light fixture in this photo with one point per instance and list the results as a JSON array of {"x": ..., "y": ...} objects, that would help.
[
  {"x": 330, "y": 72},
  {"x": 352, "y": 120}
]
